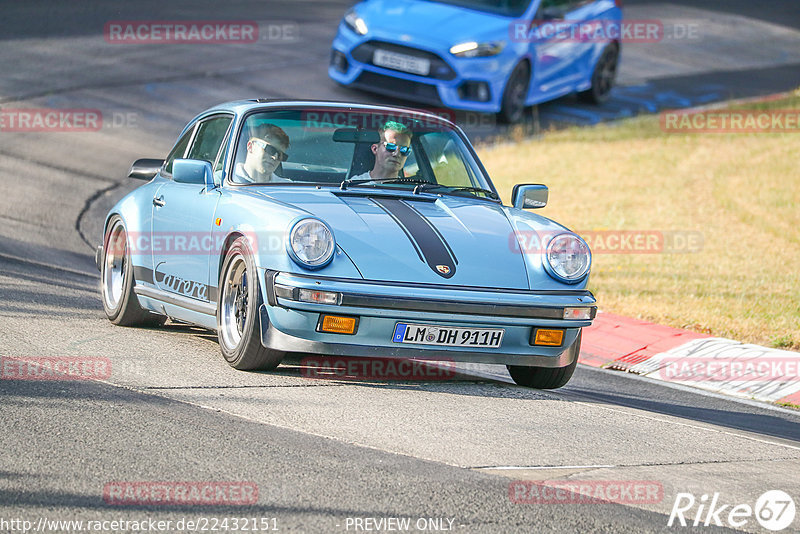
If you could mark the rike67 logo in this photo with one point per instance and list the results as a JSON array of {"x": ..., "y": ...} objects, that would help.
[{"x": 774, "y": 510}]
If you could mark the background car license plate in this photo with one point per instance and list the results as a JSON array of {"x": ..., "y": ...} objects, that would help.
[
  {"x": 425, "y": 334},
  {"x": 393, "y": 60}
]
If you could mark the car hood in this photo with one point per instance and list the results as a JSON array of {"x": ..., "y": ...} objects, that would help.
[
  {"x": 429, "y": 23},
  {"x": 449, "y": 240}
]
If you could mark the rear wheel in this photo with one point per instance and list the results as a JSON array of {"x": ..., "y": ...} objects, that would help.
[
  {"x": 603, "y": 76},
  {"x": 238, "y": 325},
  {"x": 546, "y": 377},
  {"x": 116, "y": 275},
  {"x": 512, "y": 108}
]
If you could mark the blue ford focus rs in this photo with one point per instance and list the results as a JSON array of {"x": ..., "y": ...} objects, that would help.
[
  {"x": 480, "y": 55},
  {"x": 346, "y": 230}
]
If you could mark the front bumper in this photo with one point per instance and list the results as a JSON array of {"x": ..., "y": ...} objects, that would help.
[
  {"x": 290, "y": 325},
  {"x": 492, "y": 71}
]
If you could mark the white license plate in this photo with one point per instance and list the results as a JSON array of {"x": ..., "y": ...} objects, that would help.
[
  {"x": 393, "y": 60},
  {"x": 445, "y": 336}
]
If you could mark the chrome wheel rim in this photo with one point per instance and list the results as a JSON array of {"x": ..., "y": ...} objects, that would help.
[
  {"x": 114, "y": 266},
  {"x": 234, "y": 305}
]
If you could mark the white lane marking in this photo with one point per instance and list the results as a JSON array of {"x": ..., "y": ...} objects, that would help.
[{"x": 527, "y": 467}]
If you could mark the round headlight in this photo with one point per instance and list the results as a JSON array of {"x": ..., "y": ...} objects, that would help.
[
  {"x": 568, "y": 258},
  {"x": 311, "y": 243}
]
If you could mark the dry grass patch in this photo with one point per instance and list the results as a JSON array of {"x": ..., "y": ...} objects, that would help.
[{"x": 741, "y": 192}]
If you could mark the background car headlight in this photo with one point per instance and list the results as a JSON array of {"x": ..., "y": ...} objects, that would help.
[
  {"x": 355, "y": 23},
  {"x": 473, "y": 49},
  {"x": 567, "y": 258},
  {"x": 311, "y": 243}
]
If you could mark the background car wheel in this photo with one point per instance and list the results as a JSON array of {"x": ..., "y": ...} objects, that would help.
[
  {"x": 239, "y": 299},
  {"x": 546, "y": 377},
  {"x": 603, "y": 76},
  {"x": 116, "y": 275},
  {"x": 512, "y": 109}
]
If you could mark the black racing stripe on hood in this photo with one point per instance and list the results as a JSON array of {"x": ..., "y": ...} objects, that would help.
[{"x": 423, "y": 235}]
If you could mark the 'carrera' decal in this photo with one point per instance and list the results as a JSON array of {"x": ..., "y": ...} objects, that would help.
[
  {"x": 176, "y": 284},
  {"x": 428, "y": 242}
]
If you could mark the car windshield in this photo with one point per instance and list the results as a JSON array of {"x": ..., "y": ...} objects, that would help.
[
  {"x": 357, "y": 149},
  {"x": 507, "y": 8}
]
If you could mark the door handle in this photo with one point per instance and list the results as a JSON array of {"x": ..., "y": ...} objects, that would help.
[{"x": 158, "y": 201}]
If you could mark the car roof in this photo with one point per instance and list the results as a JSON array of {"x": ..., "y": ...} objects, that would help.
[{"x": 240, "y": 107}]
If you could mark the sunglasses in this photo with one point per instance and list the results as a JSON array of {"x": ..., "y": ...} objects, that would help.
[
  {"x": 271, "y": 151},
  {"x": 394, "y": 147}
]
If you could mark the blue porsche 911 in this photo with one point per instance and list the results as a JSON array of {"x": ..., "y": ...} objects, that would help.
[
  {"x": 480, "y": 55},
  {"x": 345, "y": 230}
]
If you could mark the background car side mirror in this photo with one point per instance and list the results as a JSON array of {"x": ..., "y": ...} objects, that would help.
[
  {"x": 145, "y": 169},
  {"x": 193, "y": 171},
  {"x": 529, "y": 196}
]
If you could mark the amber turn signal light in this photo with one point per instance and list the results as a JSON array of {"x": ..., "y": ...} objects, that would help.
[
  {"x": 337, "y": 324},
  {"x": 548, "y": 337}
]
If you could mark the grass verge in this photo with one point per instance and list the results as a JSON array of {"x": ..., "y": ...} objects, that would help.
[{"x": 738, "y": 193}]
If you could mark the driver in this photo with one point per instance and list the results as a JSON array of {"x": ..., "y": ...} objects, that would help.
[
  {"x": 390, "y": 153},
  {"x": 266, "y": 149}
]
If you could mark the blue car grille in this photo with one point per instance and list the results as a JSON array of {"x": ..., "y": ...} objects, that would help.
[
  {"x": 440, "y": 70},
  {"x": 398, "y": 87}
]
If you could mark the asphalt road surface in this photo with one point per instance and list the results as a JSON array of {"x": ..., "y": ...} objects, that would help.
[{"x": 324, "y": 455}]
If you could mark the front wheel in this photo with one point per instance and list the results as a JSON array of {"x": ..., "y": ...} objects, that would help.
[
  {"x": 238, "y": 322},
  {"x": 603, "y": 76},
  {"x": 546, "y": 377},
  {"x": 512, "y": 108}
]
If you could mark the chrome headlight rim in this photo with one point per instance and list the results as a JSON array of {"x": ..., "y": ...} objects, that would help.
[
  {"x": 578, "y": 277},
  {"x": 291, "y": 233}
]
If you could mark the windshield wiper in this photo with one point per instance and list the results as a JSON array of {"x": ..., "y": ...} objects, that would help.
[
  {"x": 346, "y": 183},
  {"x": 428, "y": 186}
]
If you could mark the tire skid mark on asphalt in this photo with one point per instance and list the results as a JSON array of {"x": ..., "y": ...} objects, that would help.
[
  {"x": 51, "y": 166},
  {"x": 623, "y": 466},
  {"x": 696, "y": 426},
  {"x": 9, "y": 257}
]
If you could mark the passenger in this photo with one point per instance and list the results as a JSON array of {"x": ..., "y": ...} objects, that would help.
[
  {"x": 266, "y": 150},
  {"x": 390, "y": 153}
]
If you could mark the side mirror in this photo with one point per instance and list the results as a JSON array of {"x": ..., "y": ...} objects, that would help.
[
  {"x": 193, "y": 171},
  {"x": 529, "y": 196},
  {"x": 145, "y": 169}
]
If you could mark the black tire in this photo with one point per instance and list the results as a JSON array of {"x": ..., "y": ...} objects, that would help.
[
  {"x": 546, "y": 377},
  {"x": 512, "y": 108},
  {"x": 116, "y": 281},
  {"x": 238, "y": 324},
  {"x": 603, "y": 76}
]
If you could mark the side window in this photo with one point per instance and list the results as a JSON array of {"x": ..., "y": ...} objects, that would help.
[
  {"x": 207, "y": 142},
  {"x": 445, "y": 160},
  {"x": 178, "y": 151}
]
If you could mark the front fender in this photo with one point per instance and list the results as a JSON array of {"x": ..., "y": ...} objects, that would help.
[{"x": 265, "y": 224}]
